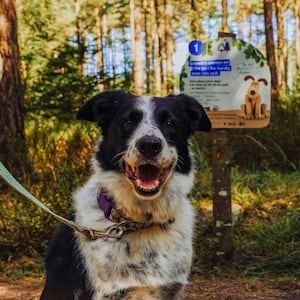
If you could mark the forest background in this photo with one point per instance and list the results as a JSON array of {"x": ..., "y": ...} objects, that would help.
[{"x": 70, "y": 50}]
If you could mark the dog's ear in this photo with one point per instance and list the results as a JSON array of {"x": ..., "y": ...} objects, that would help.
[
  {"x": 249, "y": 77},
  {"x": 263, "y": 80},
  {"x": 100, "y": 108},
  {"x": 196, "y": 113}
]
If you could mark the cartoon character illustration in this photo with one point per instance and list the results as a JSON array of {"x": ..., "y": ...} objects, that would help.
[{"x": 253, "y": 108}]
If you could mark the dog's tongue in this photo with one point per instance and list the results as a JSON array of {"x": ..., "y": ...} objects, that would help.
[{"x": 148, "y": 174}]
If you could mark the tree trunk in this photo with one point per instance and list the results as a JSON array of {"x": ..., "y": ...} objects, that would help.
[
  {"x": 136, "y": 33},
  {"x": 1, "y": 67},
  {"x": 250, "y": 36},
  {"x": 159, "y": 50},
  {"x": 126, "y": 58},
  {"x": 169, "y": 46},
  {"x": 156, "y": 60},
  {"x": 148, "y": 42},
  {"x": 12, "y": 137},
  {"x": 100, "y": 60},
  {"x": 282, "y": 48},
  {"x": 297, "y": 32},
  {"x": 241, "y": 19},
  {"x": 270, "y": 49},
  {"x": 225, "y": 27},
  {"x": 196, "y": 31},
  {"x": 79, "y": 40}
]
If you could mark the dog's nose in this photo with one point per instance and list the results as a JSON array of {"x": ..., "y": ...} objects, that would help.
[
  {"x": 252, "y": 92},
  {"x": 149, "y": 146}
]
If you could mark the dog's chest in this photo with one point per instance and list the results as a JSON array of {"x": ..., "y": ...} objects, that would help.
[{"x": 136, "y": 260}]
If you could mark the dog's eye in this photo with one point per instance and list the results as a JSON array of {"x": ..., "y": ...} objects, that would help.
[
  {"x": 170, "y": 123},
  {"x": 126, "y": 123},
  {"x": 132, "y": 120}
]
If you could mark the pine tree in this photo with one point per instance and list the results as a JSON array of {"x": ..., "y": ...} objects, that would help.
[
  {"x": 270, "y": 49},
  {"x": 12, "y": 138}
]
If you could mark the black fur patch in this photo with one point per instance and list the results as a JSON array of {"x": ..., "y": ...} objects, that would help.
[{"x": 65, "y": 272}]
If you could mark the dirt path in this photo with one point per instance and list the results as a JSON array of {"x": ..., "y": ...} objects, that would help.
[{"x": 200, "y": 289}]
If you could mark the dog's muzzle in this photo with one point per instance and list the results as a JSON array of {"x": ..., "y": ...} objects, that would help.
[{"x": 149, "y": 172}]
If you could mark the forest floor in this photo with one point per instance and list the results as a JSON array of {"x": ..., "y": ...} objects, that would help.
[{"x": 199, "y": 289}]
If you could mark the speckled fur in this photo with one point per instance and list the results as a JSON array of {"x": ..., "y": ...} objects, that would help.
[{"x": 152, "y": 257}]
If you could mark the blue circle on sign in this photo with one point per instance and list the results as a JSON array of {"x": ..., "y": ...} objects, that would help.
[{"x": 196, "y": 47}]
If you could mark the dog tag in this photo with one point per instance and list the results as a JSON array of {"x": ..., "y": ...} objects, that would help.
[{"x": 231, "y": 79}]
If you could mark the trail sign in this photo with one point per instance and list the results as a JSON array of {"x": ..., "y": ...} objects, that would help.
[{"x": 231, "y": 79}]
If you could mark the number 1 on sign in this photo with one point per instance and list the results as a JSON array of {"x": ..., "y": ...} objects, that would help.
[{"x": 196, "y": 47}]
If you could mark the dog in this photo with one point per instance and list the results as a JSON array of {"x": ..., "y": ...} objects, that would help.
[
  {"x": 142, "y": 173},
  {"x": 253, "y": 108}
]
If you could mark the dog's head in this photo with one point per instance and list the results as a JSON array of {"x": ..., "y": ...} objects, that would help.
[
  {"x": 145, "y": 138},
  {"x": 253, "y": 89}
]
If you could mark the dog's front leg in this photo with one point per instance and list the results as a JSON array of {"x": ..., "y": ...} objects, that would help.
[
  {"x": 258, "y": 114},
  {"x": 249, "y": 110}
]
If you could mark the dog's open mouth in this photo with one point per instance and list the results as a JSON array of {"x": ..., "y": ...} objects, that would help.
[{"x": 147, "y": 178}]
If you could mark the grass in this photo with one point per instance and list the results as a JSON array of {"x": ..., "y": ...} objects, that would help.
[
  {"x": 273, "y": 247},
  {"x": 267, "y": 234}
]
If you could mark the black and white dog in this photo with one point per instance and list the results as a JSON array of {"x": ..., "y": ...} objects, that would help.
[{"x": 142, "y": 175}]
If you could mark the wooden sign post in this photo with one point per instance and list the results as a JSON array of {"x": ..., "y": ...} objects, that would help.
[
  {"x": 1, "y": 66},
  {"x": 231, "y": 79},
  {"x": 221, "y": 194}
]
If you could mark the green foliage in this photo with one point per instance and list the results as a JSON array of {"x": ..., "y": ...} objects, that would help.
[
  {"x": 60, "y": 89},
  {"x": 58, "y": 47},
  {"x": 182, "y": 75},
  {"x": 202, "y": 186},
  {"x": 276, "y": 146},
  {"x": 59, "y": 154},
  {"x": 250, "y": 51},
  {"x": 207, "y": 48},
  {"x": 43, "y": 26}
]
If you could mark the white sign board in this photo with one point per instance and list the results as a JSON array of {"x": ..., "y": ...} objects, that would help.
[{"x": 231, "y": 79}]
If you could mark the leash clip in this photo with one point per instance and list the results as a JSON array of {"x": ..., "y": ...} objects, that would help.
[{"x": 112, "y": 232}]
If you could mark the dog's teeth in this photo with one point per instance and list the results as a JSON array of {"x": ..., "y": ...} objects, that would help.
[{"x": 148, "y": 187}]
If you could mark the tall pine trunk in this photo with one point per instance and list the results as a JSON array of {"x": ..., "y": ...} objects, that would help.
[
  {"x": 136, "y": 36},
  {"x": 297, "y": 32},
  {"x": 147, "y": 7},
  {"x": 100, "y": 60},
  {"x": 79, "y": 39},
  {"x": 159, "y": 49},
  {"x": 196, "y": 31},
  {"x": 241, "y": 19},
  {"x": 169, "y": 46},
  {"x": 12, "y": 137},
  {"x": 270, "y": 49},
  {"x": 282, "y": 47},
  {"x": 225, "y": 26}
]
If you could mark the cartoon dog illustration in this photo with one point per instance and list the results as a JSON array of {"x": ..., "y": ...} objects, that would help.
[{"x": 253, "y": 108}]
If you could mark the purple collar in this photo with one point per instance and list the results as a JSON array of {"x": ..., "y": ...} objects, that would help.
[
  {"x": 105, "y": 202},
  {"x": 108, "y": 206}
]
